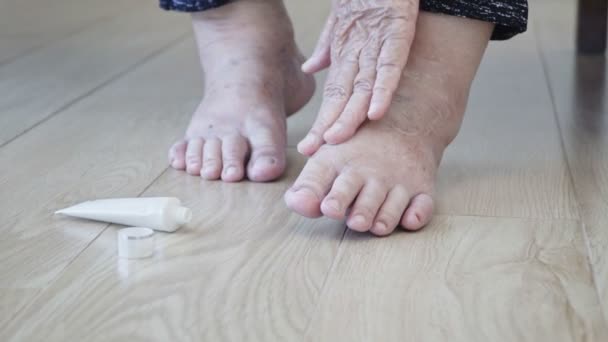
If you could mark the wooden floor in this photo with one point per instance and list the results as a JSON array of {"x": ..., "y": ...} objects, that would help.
[{"x": 93, "y": 92}]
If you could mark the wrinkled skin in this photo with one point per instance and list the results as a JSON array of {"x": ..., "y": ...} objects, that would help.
[{"x": 366, "y": 45}]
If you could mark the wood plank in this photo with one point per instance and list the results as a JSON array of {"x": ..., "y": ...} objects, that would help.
[
  {"x": 580, "y": 91},
  {"x": 246, "y": 268},
  {"x": 507, "y": 159},
  {"x": 38, "y": 85},
  {"x": 12, "y": 301},
  {"x": 26, "y": 25},
  {"x": 463, "y": 279},
  {"x": 111, "y": 144}
]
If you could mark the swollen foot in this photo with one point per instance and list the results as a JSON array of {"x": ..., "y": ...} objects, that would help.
[
  {"x": 384, "y": 176},
  {"x": 252, "y": 83}
]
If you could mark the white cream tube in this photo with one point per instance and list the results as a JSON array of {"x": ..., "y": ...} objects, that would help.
[{"x": 159, "y": 213}]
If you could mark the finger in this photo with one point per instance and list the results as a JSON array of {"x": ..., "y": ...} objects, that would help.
[
  {"x": 320, "y": 58},
  {"x": 391, "y": 61},
  {"x": 355, "y": 112},
  {"x": 338, "y": 89}
]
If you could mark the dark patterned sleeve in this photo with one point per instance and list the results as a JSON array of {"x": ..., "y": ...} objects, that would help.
[
  {"x": 191, "y": 5},
  {"x": 510, "y": 16}
]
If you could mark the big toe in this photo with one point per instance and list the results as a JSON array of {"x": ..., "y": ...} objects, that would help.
[
  {"x": 267, "y": 160},
  {"x": 419, "y": 212},
  {"x": 314, "y": 182}
]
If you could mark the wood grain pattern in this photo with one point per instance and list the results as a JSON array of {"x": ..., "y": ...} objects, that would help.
[
  {"x": 462, "y": 279},
  {"x": 110, "y": 145},
  {"x": 580, "y": 92},
  {"x": 27, "y": 25},
  {"x": 37, "y": 85},
  {"x": 248, "y": 269},
  {"x": 237, "y": 272}
]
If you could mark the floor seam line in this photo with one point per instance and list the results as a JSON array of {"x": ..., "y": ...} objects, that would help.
[
  {"x": 69, "y": 35},
  {"x": 583, "y": 226},
  {"x": 105, "y": 227},
  {"x": 323, "y": 285}
]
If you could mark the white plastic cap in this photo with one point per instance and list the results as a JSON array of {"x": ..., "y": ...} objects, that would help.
[
  {"x": 182, "y": 215},
  {"x": 135, "y": 242}
]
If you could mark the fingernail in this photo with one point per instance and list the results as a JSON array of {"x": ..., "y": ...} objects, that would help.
[
  {"x": 306, "y": 142},
  {"x": 336, "y": 128},
  {"x": 372, "y": 109}
]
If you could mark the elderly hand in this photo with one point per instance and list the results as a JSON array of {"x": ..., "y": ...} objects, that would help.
[{"x": 367, "y": 44}]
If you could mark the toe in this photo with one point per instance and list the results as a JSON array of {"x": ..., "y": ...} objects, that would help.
[
  {"x": 313, "y": 183},
  {"x": 419, "y": 212},
  {"x": 341, "y": 196},
  {"x": 194, "y": 154},
  {"x": 267, "y": 156},
  {"x": 366, "y": 206},
  {"x": 390, "y": 212},
  {"x": 234, "y": 152},
  {"x": 177, "y": 155},
  {"x": 212, "y": 159}
]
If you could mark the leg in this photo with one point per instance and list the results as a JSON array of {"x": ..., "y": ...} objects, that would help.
[
  {"x": 591, "y": 30},
  {"x": 386, "y": 172},
  {"x": 252, "y": 82}
]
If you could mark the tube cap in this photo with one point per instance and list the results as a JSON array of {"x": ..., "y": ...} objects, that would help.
[{"x": 135, "y": 242}]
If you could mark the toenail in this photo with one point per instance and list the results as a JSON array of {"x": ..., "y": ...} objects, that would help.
[
  {"x": 265, "y": 161},
  {"x": 380, "y": 227},
  {"x": 358, "y": 220},
  {"x": 231, "y": 171},
  {"x": 333, "y": 204}
]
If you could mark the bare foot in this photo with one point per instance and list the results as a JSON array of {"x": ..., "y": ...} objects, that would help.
[
  {"x": 367, "y": 44},
  {"x": 252, "y": 82},
  {"x": 385, "y": 174}
]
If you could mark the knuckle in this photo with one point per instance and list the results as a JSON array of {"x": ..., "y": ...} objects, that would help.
[
  {"x": 368, "y": 58},
  {"x": 334, "y": 91},
  {"x": 381, "y": 89},
  {"x": 211, "y": 161},
  {"x": 192, "y": 160},
  {"x": 388, "y": 65},
  {"x": 363, "y": 85},
  {"x": 231, "y": 163}
]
